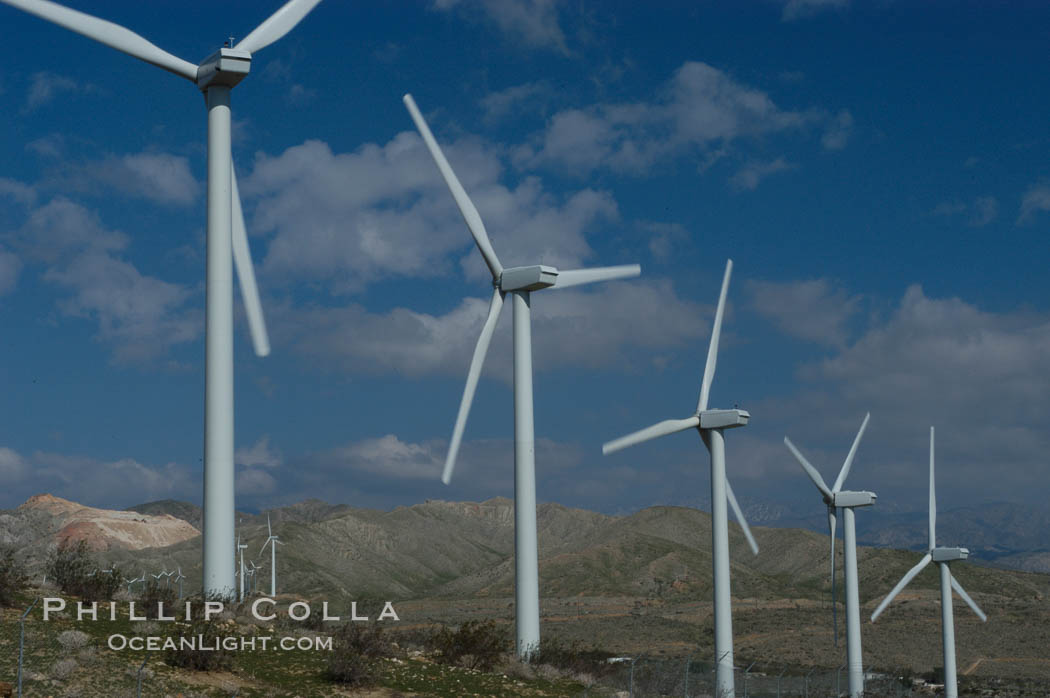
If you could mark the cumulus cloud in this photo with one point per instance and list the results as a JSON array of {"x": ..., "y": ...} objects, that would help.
[
  {"x": 141, "y": 316},
  {"x": 748, "y": 177},
  {"x": 158, "y": 177},
  {"x": 22, "y": 193},
  {"x": 982, "y": 378},
  {"x": 799, "y": 9},
  {"x": 611, "y": 325},
  {"x": 812, "y": 310},
  {"x": 700, "y": 110},
  {"x": 110, "y": 483},
  {"x": 10, "y": 266},
  {"x": 977, "y": 213},
  {"x": 12, "y": 465},
  {"x": 534, "y": 23},
  {"x": 45, "y": 87},
  {"x": 501, "y": 103},
  {"x": 260, "y": 454},
  {"x": 838, "y": 131},
  {"x": 384, "y": 211},
  {"x": 1036, "y": 199}
]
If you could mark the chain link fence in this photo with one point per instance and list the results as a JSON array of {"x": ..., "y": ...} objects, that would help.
[{"x": 638, "y": 677}]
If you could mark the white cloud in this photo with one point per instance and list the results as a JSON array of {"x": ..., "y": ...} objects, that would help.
[
  {"x": 255, "y": 482},
  {"x": 22, "y": 193},
  {"x": 612, "y": 325},
  {"x": 532, "y": 22},
  {"x": 10, "y": 266},
  {"x": 838, "y": 131},
  {"x": 259, "y": 454},
  {"x": 140, "y": 316},
  {"x": 384, "y": 211},
  {"x": 699, "y": 111},
  {"x": 798, "y": 9},
  {"x": 980, "y": 212},
  {"x": 46, "y": 86},
  {"x": 499, "y": 104},
  {"x": 666, "y": 238},
  {"x": 1036, "y": 199},
  {"x": 159, "y": 177},
  {"x": 111, "y": 484},
  {"x": 748, "y": 177},
  {"x": 12, "y": 466},
  {"x": 388, "y": 456},
  {"x": 811, "y": 310}
]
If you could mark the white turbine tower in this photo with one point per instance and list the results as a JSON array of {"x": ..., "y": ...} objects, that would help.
[
  {"x": 836, "y": 498},
  {"x": 710, "y": 424},
  {"x": 943, "y": 557},
  {"x": 215, "y": 77},
  {"x": 272, "y": 542},
  {"x": 520, "y": 282}
]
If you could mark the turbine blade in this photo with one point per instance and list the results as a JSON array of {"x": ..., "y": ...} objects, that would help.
[
  {"x": 575, "y": 277},
  {"x": 668, "y": 426},
  {"x": 849, "y": 458},
  {"x": 264, "y": 545},
  {"x": 712, "y": 347},
  {"x": 901, "y": 584},
  {"x": 834, "y": 608},
  {"x": 966, "y": 597},
  {"x": 814, "y": 475},
  {"x": 933, "y": 499},
  {"x": 269, "y": 531},
  {"x": 277, "y": 25},
  {"x": 108, "y": 33},
  {"x": 242, "y": 262},
  {"x": 476, "y": 363},
  {"x": 466, "y": 206},
  {"x": 740, "y": 518}
]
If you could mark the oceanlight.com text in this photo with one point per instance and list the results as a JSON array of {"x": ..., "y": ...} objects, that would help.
[{"x": 230, "y": 643}]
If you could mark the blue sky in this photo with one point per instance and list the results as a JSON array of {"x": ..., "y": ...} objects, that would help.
[{"x": 877, "y": 171}]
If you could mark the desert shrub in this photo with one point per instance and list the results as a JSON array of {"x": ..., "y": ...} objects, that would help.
[
  {"x": 73, "y": 569},
  {"x": 475, "y": 644},
  {"x": 206, "y": 633},
  {"x": 155, "y": 593},
  {"x": 63, "y": 668},
  {"x": 13, "y": 577},
  {"x": 355, "y": 649},
  {"x": 573, "y": 657},
  {"x": 73, "y": 639}
]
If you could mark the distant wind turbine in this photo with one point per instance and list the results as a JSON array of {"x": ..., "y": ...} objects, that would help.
[
  {"x": 272, "y": 541},
  {"x": 216, "y": 76},
  {"x": 943, "y": 557},
  {"x": 836, "y": 499},
  {"x": 240, "y": 551},
  {"x": 520, "y": 282},
  {"x": 710, "y": 424}
]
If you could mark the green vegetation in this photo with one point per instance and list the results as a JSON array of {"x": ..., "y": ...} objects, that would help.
[{"x": 13, "y": 578}]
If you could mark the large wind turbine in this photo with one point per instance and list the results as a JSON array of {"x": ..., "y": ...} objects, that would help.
[
  {"x": 215, "y": 76},
  {"x": 520, "y": 282},
  {"x": 272, "y": 542},
  {"x": 836, "y": 498},
  {"x": 943, "y": 557},
  {"x": 710, "y": 424}
]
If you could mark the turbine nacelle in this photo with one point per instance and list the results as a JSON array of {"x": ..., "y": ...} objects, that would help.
[
  {"x": 531, "y": 278},
  {"x": 227, "y": 67},
  {"x": 949, "y": 554},
  {"x": 852, "y": 500},
  {"x": 723, "y": 419}
]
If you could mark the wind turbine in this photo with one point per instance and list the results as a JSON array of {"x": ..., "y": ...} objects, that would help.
[
  {"x": 836, "y": 498},
  {"x": 272, "y": 542},
  {"x": 943, "y": 557},
  {"x": 240, "y": 551},
  {"x": 251, "y": 573},
  {"x": 179, "y": 578},
  {"x": 520, "y": 282},
  {"x": 215, "y": 76},
  {"x": 710, "y": 424}
]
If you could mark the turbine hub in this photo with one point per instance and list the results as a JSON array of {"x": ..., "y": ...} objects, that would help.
[{"x": 227, "y": 67}]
